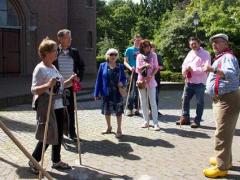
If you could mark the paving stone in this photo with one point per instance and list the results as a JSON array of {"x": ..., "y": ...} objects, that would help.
[{"x": 175, "y": 153}]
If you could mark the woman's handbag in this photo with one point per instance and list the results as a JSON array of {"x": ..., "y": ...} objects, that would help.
[
  {"x": 141, "y": 84},
  {"x": 121, "y": 88}
]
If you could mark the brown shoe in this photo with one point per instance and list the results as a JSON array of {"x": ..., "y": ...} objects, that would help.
[{"x": 183, "y": 121}]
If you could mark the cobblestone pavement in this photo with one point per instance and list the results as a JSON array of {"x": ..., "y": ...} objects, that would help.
[{"x": 173, "y": 153}]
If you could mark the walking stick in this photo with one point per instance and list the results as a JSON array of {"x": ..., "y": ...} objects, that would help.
[
  {"x": 147, "y": 107},
  {"x": 129, "y": 88},
  {"x": 76, "y": 87},
  {"x": 46, "y": 129},
  {"x": 25, "y": 152}
]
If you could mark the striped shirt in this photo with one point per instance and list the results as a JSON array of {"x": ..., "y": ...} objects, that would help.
[
  {"x": 65, "y": 63},
  {"x": 230, "y": 82}
]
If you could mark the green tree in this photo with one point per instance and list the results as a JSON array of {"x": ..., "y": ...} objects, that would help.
[{"x": 104, "y": 45}]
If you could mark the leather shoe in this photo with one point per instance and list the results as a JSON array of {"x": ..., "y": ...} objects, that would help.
[
  {"x": 213, "y": 162},
  {"x": 74, "y": 138},
  {"x": 183, "y": 121},
  {"x": 214, "y": 172}
]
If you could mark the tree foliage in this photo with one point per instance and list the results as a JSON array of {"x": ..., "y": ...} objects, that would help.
[{"x": 168, "y": 23}]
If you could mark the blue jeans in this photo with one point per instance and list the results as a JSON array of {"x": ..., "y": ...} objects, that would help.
[
  {"x": 189, "y": 91},
  {"x": 133, "y": 97}
]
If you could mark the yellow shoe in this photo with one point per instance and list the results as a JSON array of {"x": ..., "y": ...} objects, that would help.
[
  {"x": 213, "y": 162},
  {"x": 214, "y": 172}
]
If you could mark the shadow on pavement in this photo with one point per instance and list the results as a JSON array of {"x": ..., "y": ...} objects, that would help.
[
  {"x": 18, "y": 126},
  {"x": 237, "y": 132},
  {"x": 88, "y": 173},
  {"x": 146, "y": 142},
  {"x": 185, "y": 133},
  {"x": 23, "y": 172},
  {"x": 105, "y": 148},
  {"x": 77, "y": 173},
  {"x": 233, "y": 176}
]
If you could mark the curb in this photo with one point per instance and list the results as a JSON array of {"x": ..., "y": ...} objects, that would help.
[{"x": 84, "y": 96}]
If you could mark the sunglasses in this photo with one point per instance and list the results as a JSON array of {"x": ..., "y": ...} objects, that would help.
[
  {"x": 112, "y": 54},
  {"x": 146, "y": 46}
]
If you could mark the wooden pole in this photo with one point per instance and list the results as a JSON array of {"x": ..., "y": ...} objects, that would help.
[
  {"x": 76, "y": 119},
  {"x": 147, "y": 105},
  {"x": 46, "y": 129},
  {"x": 25, "y": 152}
]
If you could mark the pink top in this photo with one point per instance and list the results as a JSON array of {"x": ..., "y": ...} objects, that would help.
[
  {"x": 196, "y": 60},
  {"x": 152, "y": 60}
]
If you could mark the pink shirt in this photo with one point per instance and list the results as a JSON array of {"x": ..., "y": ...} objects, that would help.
[
  {"x": 197, "y": 60},
  {"x": 152, "y": 60}
]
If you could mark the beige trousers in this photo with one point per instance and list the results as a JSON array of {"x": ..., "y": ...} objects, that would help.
[{"x": 226, "y": 110}]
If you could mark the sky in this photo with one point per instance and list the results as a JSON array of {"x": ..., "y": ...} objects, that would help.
[{"x": 136, "y": 1}]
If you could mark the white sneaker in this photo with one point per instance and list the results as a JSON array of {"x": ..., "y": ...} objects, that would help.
[
  {"x": 156, "y": 127},
  {"x": 144, "y": 125}
]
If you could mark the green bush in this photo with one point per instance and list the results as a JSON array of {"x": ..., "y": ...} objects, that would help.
[
  {"x": 171, "y": 76},
  {"x": 99, "y": 60}
]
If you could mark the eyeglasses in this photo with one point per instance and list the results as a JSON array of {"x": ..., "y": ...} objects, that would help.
[
  {"x": 146, "y": 46},
  {"x": 112, "y": 54}
]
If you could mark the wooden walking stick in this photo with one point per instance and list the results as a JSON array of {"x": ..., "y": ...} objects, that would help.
[
  {"x": 46, "y": 129},
  {"x": 129, "y": 89},
  {"x": 147, "y": 106},
  {"x": 76, "y": 87},
  {"x": 25, "y": 152}
]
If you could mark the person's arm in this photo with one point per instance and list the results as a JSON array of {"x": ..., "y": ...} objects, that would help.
[
  {"x": 123, "y": 78},
  {"x": 185, "y": 66},
  {"x": 70, "y": 80},
  {"x": 126, "y": 62},
  {"x": 230, "y": 68},
  {"x": 154, "y": 66},
  {"x": 79, "y": 64},
  {"x": 38, "y": 88},
  {"x": 98, "y": 83}
]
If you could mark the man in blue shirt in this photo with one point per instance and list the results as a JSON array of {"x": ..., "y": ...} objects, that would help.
[
  {"x": 223, "y": 86},
  {"x": 130, "y": 62}
]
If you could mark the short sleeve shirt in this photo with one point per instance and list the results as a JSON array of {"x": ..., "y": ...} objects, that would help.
[{"x": 131, "y": 53}]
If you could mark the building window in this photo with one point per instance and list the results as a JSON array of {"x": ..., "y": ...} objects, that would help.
[
  {"x": 89, "y": 3},
  {"x": 90, "y": 39},
  {"x": 8, "y": 15}
]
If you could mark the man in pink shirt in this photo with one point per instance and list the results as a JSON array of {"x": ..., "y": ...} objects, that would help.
[{"x": 195, "y": 80}]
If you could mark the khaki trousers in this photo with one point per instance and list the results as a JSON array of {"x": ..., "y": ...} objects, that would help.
[{"x": 226, "y": 110}]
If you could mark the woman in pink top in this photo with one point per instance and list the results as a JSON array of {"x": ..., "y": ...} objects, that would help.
[{"x": 146, "y": 67}]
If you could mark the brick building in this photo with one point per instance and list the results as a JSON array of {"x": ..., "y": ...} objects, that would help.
[{"x": 24, "y": 23}]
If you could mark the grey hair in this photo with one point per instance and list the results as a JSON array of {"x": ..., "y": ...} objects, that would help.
[
  {"x": 109, "y": 51},
  {"x": 63, "y": 32}
]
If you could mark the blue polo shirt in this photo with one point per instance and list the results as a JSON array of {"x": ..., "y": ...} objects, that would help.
[{"x": 131, "y": 53}]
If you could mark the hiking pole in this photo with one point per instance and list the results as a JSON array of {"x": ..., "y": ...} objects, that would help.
[
  {"x": 76, "y": 87},
  {"x": 25, "y": 152},
  {"x": 46, "y": 129},
  {"x": 147, "y": 107},
  {"x": 129, "y": 88}
]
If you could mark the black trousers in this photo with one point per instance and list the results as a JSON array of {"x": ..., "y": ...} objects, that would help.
[
  {"x": 70, "y": 108},
  {"x": 56, "y": 157}
]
